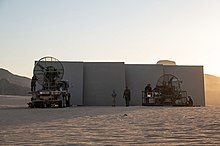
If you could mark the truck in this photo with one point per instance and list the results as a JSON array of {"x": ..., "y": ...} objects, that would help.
[
  {"x": 167, "y": 92},
  {"x": 51, "y": 91}
]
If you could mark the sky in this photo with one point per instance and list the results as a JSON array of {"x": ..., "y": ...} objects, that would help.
[{"x": 130, "y": 31}]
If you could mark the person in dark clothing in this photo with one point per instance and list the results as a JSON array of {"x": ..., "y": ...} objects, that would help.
[
  {"x": 148, "y": 90},
  {"x": 190, "y": 101},
  {"x": 156, "y": 91},
  {"x": 33, "y": 83},
  {"x": 127, "y": 96}
]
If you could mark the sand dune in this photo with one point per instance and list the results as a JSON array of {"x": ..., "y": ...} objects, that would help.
[{"x": 212, "y": 90}]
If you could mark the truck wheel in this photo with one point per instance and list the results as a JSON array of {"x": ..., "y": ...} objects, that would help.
[
  {"x": 60, "y": 104},
  {"x": 38, "y": 104},
  {"x": 48, "y": 105},
  {"x": 68, "y": 101}
]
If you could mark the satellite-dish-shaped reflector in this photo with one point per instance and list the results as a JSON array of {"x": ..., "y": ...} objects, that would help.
[
  {"x": 49, "y": 71},
  {"x": 169, "y": 81}
]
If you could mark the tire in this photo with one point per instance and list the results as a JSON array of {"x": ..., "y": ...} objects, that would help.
[
  {"x": 60, "y": 104},
  {"x": 68, "y": 101},
  {"x": 38, "y": 104},
  {"x": 48, "y": 105}
]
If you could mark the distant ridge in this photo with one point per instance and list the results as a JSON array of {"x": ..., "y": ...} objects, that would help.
[
  {"x": 15, "y": 79},
  {"x": 11, "y": 84},
  {"x": 7, "y": 88}
]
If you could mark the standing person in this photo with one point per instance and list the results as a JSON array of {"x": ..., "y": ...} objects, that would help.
[
  {"x": 190, "y": 101},
  {"x": 127, "y": 95},
  {"x": 113, "y": 97},
  {"x": 148, "y": 90},
  {"x": 33, "y": 83}
]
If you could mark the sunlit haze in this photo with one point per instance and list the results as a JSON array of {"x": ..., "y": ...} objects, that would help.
[{"x": 131, "y": 31}]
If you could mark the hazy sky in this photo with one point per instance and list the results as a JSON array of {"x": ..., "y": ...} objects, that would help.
[{"x": 133, "y": 31}]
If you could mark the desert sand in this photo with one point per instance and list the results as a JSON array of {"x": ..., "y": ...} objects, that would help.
[{"x": 106, "y": 125}]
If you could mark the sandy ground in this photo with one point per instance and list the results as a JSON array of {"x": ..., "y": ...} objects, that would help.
[
  {"x": 14, "y": 111},
  {"x": 106, "y": 125},
  {"x": 9, "y": 101}
]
